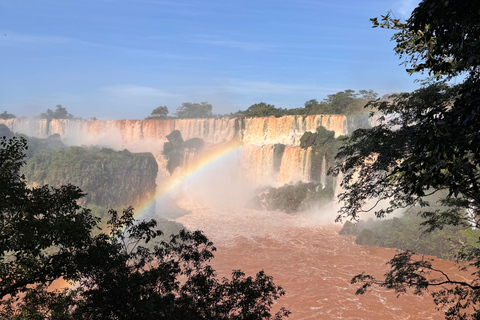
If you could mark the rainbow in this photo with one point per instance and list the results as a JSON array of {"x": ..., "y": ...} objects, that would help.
[{"x": 204, "y": 161}]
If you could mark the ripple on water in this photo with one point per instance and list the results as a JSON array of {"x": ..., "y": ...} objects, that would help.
[{"x": 311, "y": 261}]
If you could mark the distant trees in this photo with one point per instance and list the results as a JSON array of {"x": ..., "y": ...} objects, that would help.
[
  {"x": 5, "y": 115},
  {"x": 59, "y": 113},
  {"x": 262, "y": 109},
  {"x": 194, "y": 110},
  {"x": 159, "y": 113},
  {"x": 346, "y": 102}
]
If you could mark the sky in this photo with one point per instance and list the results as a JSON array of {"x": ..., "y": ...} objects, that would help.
[{"x": 120, "y": 59}]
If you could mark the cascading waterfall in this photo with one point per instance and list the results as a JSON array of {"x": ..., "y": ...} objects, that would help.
[
  {"x": 295, "y": 165},
  {"x": 261, "y": 159},
  {"x": 323, "y": 172}
]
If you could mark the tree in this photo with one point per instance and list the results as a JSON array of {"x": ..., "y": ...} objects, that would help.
[
  {"x": 194, "y": 110},
  {"x": 428, "y": 142},
  {"x": 42, "y": 230},
  {"x": 339, "y": 101},
  {"x": 261, "y": 109},
  {"x": 159, "y": 113},
  {"x": 118, "y": 274},
  {"x": 59, "y": 113},
  {"x": 5, "y": 115},
  {"x": 314, "y": 107}
]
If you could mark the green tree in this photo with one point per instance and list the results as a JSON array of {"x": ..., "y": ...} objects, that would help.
[
  {"x": 45, "y": 235},
  {"x": 159, "y": 113},
  {"x": 5, "y": 115},
  {"x": 427, "y": 143},
  {"x": 261, "y": 109},
  {"x": 59, "y": 113},
  {"x": 43, "y": 230},
  {"x": 171, "y": 280},
  {"x": 194, "y": 110}
]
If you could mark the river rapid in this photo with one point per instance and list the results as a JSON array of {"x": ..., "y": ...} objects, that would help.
[{"x": 306, "y": 256}]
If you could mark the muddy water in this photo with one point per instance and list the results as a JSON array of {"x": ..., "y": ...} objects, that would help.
[{"x": 309, "y": 259}]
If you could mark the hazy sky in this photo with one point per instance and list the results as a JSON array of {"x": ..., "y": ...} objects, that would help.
[{"x": 116, "y": 59}]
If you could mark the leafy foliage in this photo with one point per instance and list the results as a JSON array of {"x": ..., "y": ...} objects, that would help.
[
  {"x": 428, "y": 142},
  {"x": 174, "y": 150},
  {"x": 409, "y": 233},
  {"x": 262, "y": 109},
  {"x": 5, "y": 115},
  {"x": 292, "y": 198},
  {"x": 43, "y": 230},
  {"x": 111, "y": 178},
  {"x": 159, "y": 113},
  {"x": 45, "y": 235},
  {"x": 324, "y": 147},
  {"x": 59, "y": 113},
  {"x": 346, "y": 102},
  {"x": 194, "y": 110}
]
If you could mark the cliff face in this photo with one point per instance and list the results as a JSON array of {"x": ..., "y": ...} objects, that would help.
[
  {"x": 286, "y": 130},
  {"x": 109, "y": 178},
  {"x": 261, "y": 158}
]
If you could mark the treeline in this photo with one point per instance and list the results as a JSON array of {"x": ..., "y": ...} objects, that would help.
[
  {"x": 347, "y": 102},
  {"x": 408, "y": 233},
  {"x": 59, "y": 113}
]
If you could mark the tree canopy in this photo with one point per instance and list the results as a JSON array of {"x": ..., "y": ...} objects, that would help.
[
  {"x": 5, "y": 115},
  {"x": 427, "y": 142},
  {"x": 42, "y": 230},
  {"x": 159, "y": 113},
  {"x": 120, "y": 273},
  {"x": 194, "y": 110},
  {"x": 59, "y": 113}
]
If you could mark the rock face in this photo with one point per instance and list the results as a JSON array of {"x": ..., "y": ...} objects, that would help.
[
  {"x": 109, "y": 178},
  {"x": 270, "y": 152}
]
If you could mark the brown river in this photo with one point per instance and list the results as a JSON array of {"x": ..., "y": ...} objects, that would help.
[{"x": 306, "y": 256}]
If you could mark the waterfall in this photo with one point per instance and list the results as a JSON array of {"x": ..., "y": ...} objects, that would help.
[
  {"x": 260, "y": 160},
  {"x": 323, "y": 172}
]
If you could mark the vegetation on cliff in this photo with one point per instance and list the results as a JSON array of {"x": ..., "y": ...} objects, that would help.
[
  {"x": 159, "y": 113},
  {"x": 291, "y": 198},
  {"x": 408, "y": 233},
  {"x": 5, "y": 115},
  {"x": 324, "y": 148},
  {"x": 46, "y": 235},
  {"x": 175, "y": 149},
  {"x": 346, "y": 102},
  {"x": 110, "y": 178},
  {"x": 59, "y": 113}
]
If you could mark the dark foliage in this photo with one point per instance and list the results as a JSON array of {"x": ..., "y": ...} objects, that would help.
[
  {"x": 159, "y": 113},
  {"x": 175, "y": 149},
  {"x": 45, "y": 235},
  {"x": 43, "y": 231},
  {"x": 292, "y": 198},
  {"x": 59, "y": 113},
  {"x": 110, "y": 178},
  {"x": 5, "y": 115},
  {"x": 409, "y": 233},
  {"x": 194, "y": 110},
  {"x": 428, "y": 142}
]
